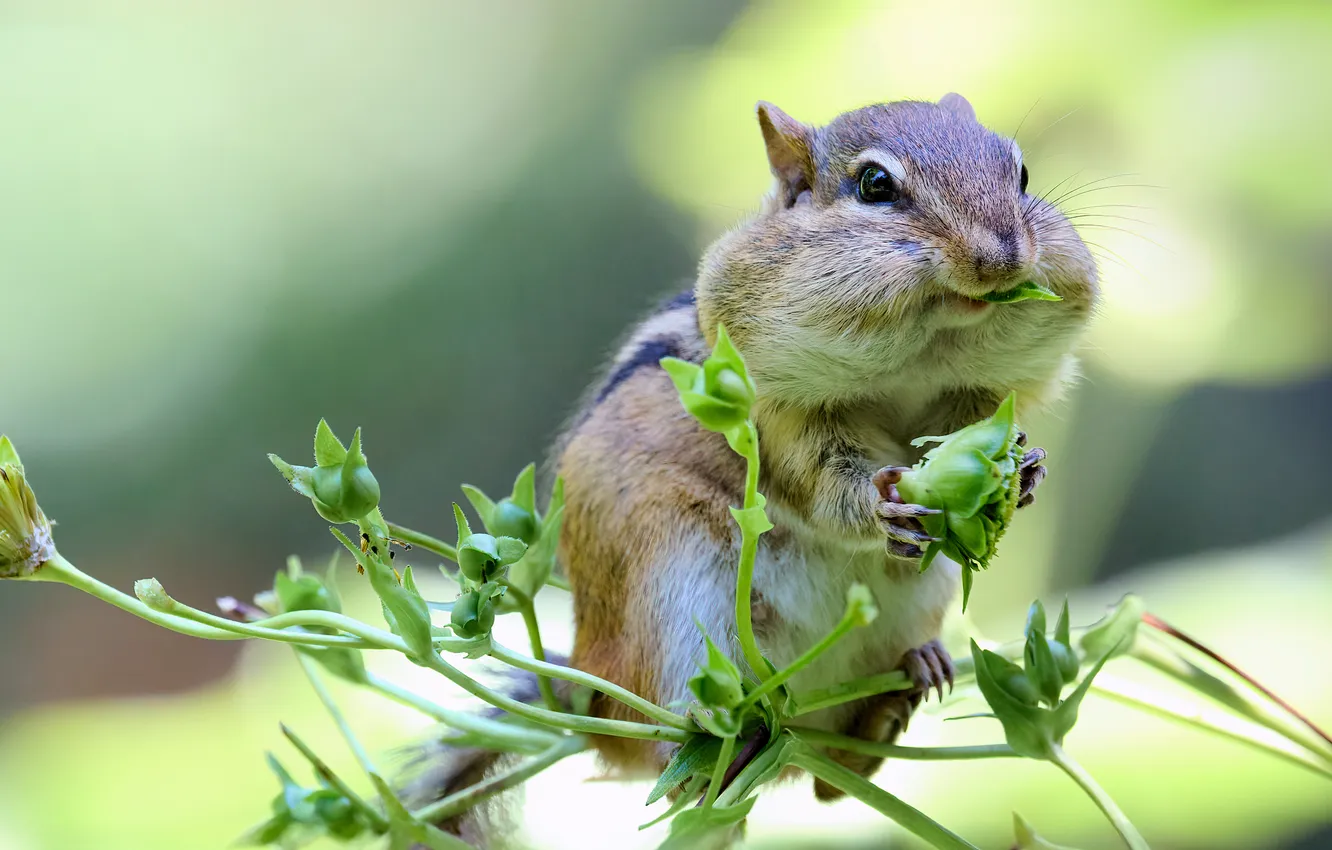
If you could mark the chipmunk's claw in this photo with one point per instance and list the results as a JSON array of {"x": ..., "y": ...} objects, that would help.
[
  {"x": 900, "y": 521},
  {"x": 1033, "y": 473},
  {"x": 929, "y": 666}
]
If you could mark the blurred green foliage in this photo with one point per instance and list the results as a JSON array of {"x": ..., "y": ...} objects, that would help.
[{"x": 204, "y": 201}]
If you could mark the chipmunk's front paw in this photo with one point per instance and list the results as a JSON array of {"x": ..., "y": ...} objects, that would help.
[
  {"x": 900, "y": 521},
  {"x": 1032, "y": 472},
  {"x": 929, "y": 666}
]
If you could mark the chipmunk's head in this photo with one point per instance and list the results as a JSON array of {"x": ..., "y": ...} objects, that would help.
[{"x": 869, "y": 262}]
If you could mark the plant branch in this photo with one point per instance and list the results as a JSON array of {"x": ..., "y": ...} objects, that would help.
[
  {"x": 1215, "y": 722},
  {"x": 894, "y": 751},
  {"x": 846, "y": 624},
  {"x": 317, "y": 682},
  {"x": 489, "y": 787},
  {"x": 423, "y": 541},
  {"x": 558, "y": 719},
  {"x": 910, "y": 818},
  {"x": 62, "y": 571},
  {"x": 719, "y": 771},
  {"x": 866, "y": 686},
  {"x": 377, "y": 821},
  {"x": 517, "y": 738},
  {"x": 571, "y": 674},
  {"x": 744, "y": 585},
  {"x": 1132, "y": 838},
  {"x": 528, "y": 610}
]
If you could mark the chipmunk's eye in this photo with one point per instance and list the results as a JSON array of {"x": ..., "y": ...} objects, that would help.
[
  {"x": 877, "y": 186},
  {"x": 1022, "y": 180}
]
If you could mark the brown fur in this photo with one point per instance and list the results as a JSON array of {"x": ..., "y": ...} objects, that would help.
[
  {"x": 856, "y": 321},
  {"x": 831, "y": 301}
]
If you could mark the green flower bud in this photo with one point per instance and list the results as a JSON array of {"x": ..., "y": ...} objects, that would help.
[
  {"x": 717, "y": 683},
  {"x": 718, "y": 393},
  {"x": 472, "y": 615},
  {"x": 25, "y": 532},
  {"x": 479, "y": 557},
  {"x": 972, "y": 478},
  {"x": 341, "y": 485},
  {"x": 509, "y": 519}
]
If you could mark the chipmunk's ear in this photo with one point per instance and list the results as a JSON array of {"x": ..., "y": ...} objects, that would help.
[
  {"x": 790, "y": 150},
  {"x": 958, "y": 105}
]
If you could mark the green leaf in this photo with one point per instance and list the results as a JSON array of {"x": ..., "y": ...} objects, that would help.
[
  {"x": 689, "y": 795},
  {"x": 707, "y": 829},
  {"x": 524, "y": 488},
  {"x": 1028, "y": 839},
  {"x": 682, "y": 372},
  {"x": 407, "y": 614},
  {"x": 328, "y": 449},
  {"x": 464, "y": 530},
  {"x": 696, "y": 756},
  {"x": 1025, "y": 726},
  {"x": 510, "y": 549},
  {"x": 297, "y": 476},
  {"x": 1028, "y": 290},
  {"x": 481, "y": 503},
  {"x": 1114, "y": 633},
  {"x": 1042, "y": 668},
  {"x": 753, "y": 521},
  {"x": 1066, "y": 715}
]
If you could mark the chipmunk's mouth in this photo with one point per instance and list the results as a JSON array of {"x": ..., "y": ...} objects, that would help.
[{"x": 957, "y": 309}]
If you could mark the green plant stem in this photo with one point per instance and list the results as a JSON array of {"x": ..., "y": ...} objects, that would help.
[
  {"x": 846, "y": 624},
  {"x": 354, "y": 743},
  {"x": 570, "y": 674},
  {"x": 517, "y": 738},
  {"x": 469, "y": 797},
  {"x": 1148, "y": 650},
  {"x": 377, "y": 821},
  {"x": 1214, "y": 722},
  {"x": 364, "y": 636},
  {"x": 423, "y": 541},
  {"x": 893, "y": 751},
  {"x": 910, "y": 818},
  {"x": 1132, "y": 838},
  {"x": 866, "y": 686},
  {"x": 528, "y": 610},
  {"x": 765, "y": 766},
  {"x": 558, "y": 719},
  {"x": 719, "y": 770},
  {"x": 62, "y": 571},
  {"x": 744, "y": 585}
]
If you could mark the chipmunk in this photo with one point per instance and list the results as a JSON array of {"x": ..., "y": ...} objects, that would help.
[{"x": 853, "y": 295}]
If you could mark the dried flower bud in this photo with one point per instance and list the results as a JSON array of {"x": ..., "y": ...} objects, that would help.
[{"x": 25, "y": 532}]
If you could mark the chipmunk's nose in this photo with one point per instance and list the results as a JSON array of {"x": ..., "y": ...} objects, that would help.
[{"x": 1000, "y": 259}]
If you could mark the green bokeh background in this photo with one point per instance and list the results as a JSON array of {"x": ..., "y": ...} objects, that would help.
[{"x": 433, "y": 219}]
